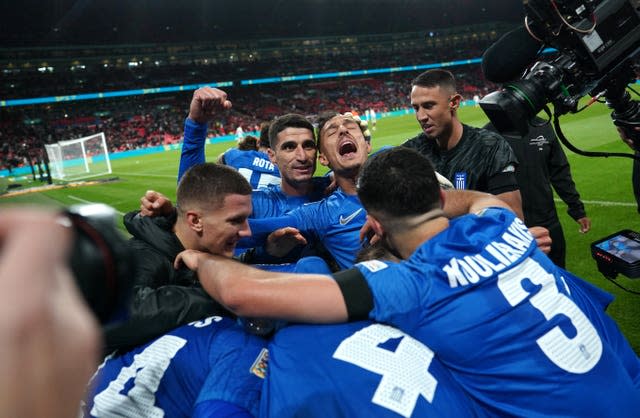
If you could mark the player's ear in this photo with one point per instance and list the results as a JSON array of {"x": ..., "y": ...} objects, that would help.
[
  {"x": 442, "y": 198},
  {"x": 454, "y": 101},
  {"x": 323, "y": 160},
  {"x": 375, "y": 225},
  {"x": 194, "y": 220},
  {"x": 272, "y": 155}
]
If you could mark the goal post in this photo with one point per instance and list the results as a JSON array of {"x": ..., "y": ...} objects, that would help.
[{"x": 80, "y": 158}]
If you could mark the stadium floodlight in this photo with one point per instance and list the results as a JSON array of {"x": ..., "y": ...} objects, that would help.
[{"x": 80, "y": 158}]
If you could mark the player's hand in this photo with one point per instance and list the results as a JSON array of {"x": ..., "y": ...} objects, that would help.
[
  {"x": 585, "y": 224},
  {"x": 367, "y": 233},
  {"x": 155, "y": 204},
  {"x": 542, "y": 237},
  {"x": 281, "y": 241},
  {"x": 206, "y": 103},
  {"x": 191, "y": 259},
  {"x": 50, "y": 340},
  {"x": 332, "y": 187}
]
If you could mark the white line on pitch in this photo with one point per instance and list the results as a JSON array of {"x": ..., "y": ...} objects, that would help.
[
  {"x": 87, "y": 201},
  {"x": 603, "y": 203}
]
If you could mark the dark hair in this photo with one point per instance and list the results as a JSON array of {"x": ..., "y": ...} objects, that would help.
[
  {"x": 207, "y": 184},
  {"x": 398, "y": 182},
  {"x": 264, "y": 135},
  {"x": 435, "y": 78},
  {"x": 290, "y": 120},
  {"x": 248, "y": 143}
]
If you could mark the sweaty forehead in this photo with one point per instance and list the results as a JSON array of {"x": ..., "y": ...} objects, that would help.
[
  {"x": 294, "y": 134},
  {"x": 338, "y": 120},
  {"x": 421, "y": 93}
]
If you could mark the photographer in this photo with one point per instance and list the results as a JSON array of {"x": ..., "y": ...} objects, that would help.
[{"x": 49, "y": 338}]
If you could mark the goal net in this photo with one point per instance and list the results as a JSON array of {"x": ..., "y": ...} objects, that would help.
[{"x": 79, "y": 158}]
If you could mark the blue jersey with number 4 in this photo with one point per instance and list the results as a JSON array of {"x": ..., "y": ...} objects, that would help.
[
  {"x": 359, "y": 369},
  {"x": 208, "y": 362},
  {"x": 493, "y": 306}
]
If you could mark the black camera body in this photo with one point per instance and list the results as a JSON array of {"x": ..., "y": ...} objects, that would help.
[
  {"x": 100, "y": 259},
  {"x": 596, "y": 43}
]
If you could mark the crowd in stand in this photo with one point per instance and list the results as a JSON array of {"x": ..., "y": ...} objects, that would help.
[{"x": 151, "y": 120}]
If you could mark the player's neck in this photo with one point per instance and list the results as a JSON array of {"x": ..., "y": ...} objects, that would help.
[
  {"x": 182, "y": 233},
  {"x": 407, "y": 242},
  {"x": 297, "y": 188},
  {"x": 449, "y": 139},
  {"x": 346, "y": 183}
]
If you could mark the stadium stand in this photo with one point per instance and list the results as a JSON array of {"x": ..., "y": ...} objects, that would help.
[{"x": 138, "y": 121}]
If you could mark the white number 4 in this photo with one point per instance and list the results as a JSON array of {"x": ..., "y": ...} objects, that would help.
[
  {"x": 405, "y": 375},
  {"x": 147, "y": 370}
]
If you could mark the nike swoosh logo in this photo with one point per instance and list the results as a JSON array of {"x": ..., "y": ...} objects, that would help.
[{"x": 344, "y": 221}]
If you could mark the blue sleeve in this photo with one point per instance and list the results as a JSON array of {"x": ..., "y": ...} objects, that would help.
[
  {"x": 219, "y": 409},
  {"x": 261, "y": 228},
  {"x": 192, "y": 153}
]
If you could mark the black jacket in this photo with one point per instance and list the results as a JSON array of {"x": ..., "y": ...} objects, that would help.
[
  {"x": 482, "y": 160},
  {"x": 162, "y": 298},
  {"x": 543, "y": 165}
]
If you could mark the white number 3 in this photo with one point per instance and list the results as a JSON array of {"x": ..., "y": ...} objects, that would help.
[
  {"x": 405, "y": 375},
  {"x": 575, "y": 355}
]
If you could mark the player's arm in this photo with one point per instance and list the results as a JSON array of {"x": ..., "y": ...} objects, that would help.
[
  {"x": 514, "y": 200},
  {"x": 456, "y": 203},
  {"x": 462, "y": 202},
  {"x": 563, "y": 184},
  {"x": 206, "y": 103},
  {"x": 250, "y": 292}
]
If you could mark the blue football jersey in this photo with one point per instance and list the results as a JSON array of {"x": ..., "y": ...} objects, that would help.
[
  {"x": 593, "y": 301},
  {"x": 335, "y": 221},
  {"x": 491, "y": 304},
  {"x": 211, "y": 360},
  {"x": 360, "y": 369},
  {"x": 254, "y": 166}
]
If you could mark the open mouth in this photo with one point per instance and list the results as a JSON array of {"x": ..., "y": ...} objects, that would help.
[{"x": 347, "y": 147}]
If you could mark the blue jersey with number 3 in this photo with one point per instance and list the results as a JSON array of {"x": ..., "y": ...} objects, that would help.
[
  {"x": 359, "y": 369},
  {"x": 176, "y": 375},
  {"x": 492, "y": 306}
]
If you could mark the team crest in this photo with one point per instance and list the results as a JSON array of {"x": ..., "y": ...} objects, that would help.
[
  {"x": 460, "y": 180},
  {"x": 259, "y": 366},
  {"x": 374, "y": 265}
]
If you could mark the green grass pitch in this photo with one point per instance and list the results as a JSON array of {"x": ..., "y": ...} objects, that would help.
[{"x": 604, "y": 184}]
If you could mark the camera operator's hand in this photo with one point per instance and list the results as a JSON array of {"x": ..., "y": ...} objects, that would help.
[
  {"x": 585, "y": 224},
  {"x": 625, "y": 138},
  {"x": 49, "y": 339},
  {"x": 155, "y": 204},
  {"x": 206, "y": 103}
]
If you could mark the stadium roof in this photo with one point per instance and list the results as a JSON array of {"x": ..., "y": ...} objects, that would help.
[{"x": 55, "y": 22}]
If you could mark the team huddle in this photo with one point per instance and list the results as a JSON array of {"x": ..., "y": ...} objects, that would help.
[{"x": 379, "y": 290}]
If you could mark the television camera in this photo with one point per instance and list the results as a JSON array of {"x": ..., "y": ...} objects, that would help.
[{"x": 596, "y": 43}]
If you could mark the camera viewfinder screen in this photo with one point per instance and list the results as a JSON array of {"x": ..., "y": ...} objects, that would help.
[{"x": 622, "y": 247}]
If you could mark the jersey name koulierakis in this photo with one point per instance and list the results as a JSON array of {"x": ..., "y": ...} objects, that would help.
[{"x": 493, "y": 308}]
